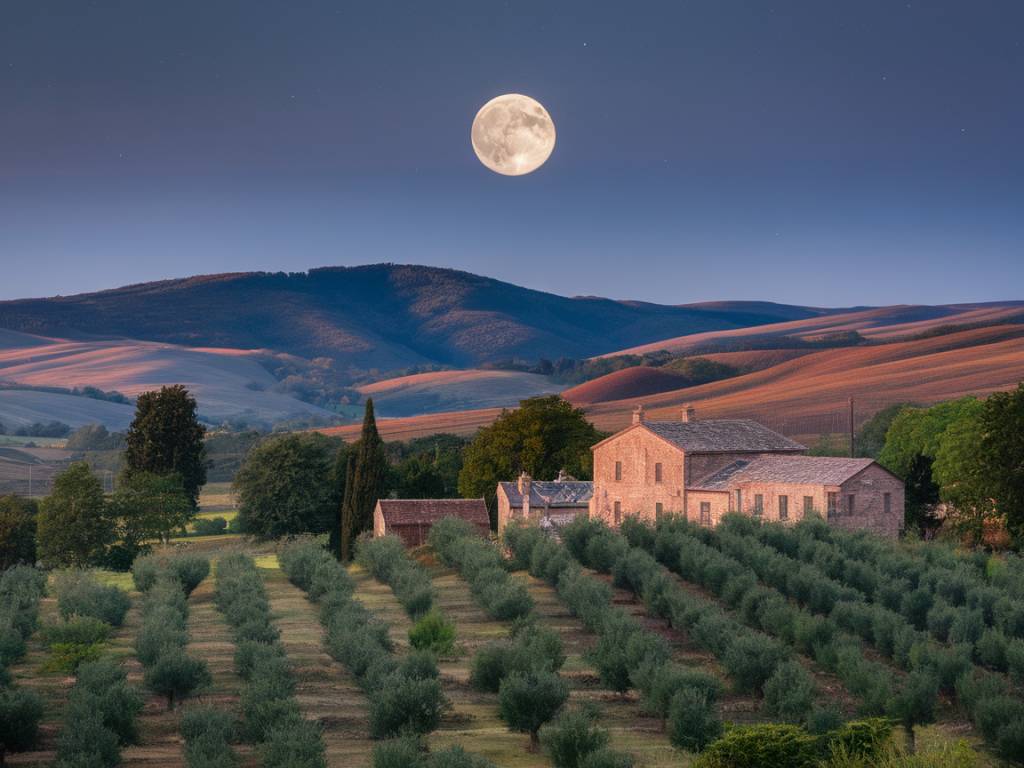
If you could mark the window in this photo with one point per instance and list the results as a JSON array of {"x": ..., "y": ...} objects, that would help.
[
  {"x": 658, "y": 510},
  {"x": 850, "y": 504},
  {"x": 618, "y": 470},
  {"x": 808, "y": 505},
  {"x": 739, "y": 500},
  {"x": 758, "y": 504},
  {"x": 657, "y": 472},
  {"x": 618, "y": 512},
  {"x": 783, "y": 507},
  {"x": 833, "y": 503},
  {"x": 705, "y": 513},
  {"x": 887, "y": 503}
]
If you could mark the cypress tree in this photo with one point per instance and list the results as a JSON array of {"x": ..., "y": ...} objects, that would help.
[{"x": 365, "y": 483}]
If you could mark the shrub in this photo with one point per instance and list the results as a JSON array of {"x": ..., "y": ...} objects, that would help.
[
  {"x": 78, "y": 629},
  {"x": 751, "y": 660},
  {"x": 175, "y": 675},
  {"x": 197, "y": 722},
  {"x": 433, "y": 633},
  {"x": 251, "y": 655},
  {"x": 789, "y": 692},
  {"x": 190, "y": 570},
  {"x": 20, "y": 713},
  {"x": 263, "y": 708},
  {"x": 84, "y": 742},
  {"x": 574, "y": 735},
  {"x": 406, "y": 705},
  {"x": 822, "y": 720},
  {"x": 295, "y": 744},
  {"x": 456, "y": 757},
  {"x": 158, "y": 633},
  {"x": 529, "y": 700},
  {"x": 861, "y": 739},
  {"x": 145, "y": 571},
  {"x": 66, "y": 657},
  {"x": 660, "y": 682},
  {"x": 693, "y": 720},
  {"x": 78, "y": 594},
  {"x": 102, "y": 686},
  {"x": 914, "y": 703},
  {"x": 490, "y": 665},
  {"x": 210, "y": 526},
  {"x": 399, "y": 753},
  {"x": 761, "y": 746}
]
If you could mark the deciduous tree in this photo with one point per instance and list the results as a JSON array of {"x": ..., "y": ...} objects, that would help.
[
  {"x": 17, "y": 531},
  {"x": 73, "y": 526},
  {"x": 543, "y": 436}
]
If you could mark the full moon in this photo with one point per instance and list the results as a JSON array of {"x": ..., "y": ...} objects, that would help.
[{"x": 513, "y": 134}]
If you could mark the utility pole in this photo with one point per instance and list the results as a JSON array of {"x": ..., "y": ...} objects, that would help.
[{"x": 852, "y": 439}]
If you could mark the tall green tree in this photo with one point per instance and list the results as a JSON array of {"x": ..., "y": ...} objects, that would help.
[
  {"x": 17, "y": 531},
  {"x": 286, "y": 486},
  {"x": 368, "y": 483},
  {"x": 73, "y": 526},
  {"x": 542, "y": 436},
  {"x": 166, "y": 437},
  {"x": 147, "y": 506},
  {"x": 1002, "y": 456}
]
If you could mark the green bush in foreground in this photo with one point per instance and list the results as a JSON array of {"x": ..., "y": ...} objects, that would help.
[
  {"x": 693, "y": 719},
  {"x": 85, "y": 742},
  {"x": 295, "y": 744},
  {"x": 102, "y": 686},
  {"x": 433, "y": 632},
  {"x": 404, "y": 705},
  {"x": 761, "y": 746}
]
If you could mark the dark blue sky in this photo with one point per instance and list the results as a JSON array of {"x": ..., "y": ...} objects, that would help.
[{"x": 828, "y": 153}]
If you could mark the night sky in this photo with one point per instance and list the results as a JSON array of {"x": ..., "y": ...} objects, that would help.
[{"x": 812, "y": 152}]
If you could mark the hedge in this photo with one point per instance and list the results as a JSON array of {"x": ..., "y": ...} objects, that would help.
[{"x": 386, "y": 559}]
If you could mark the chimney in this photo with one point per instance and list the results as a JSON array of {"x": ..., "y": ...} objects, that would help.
[
  {"x": 524, "y": 489},
  {"x": 689, "y": 413},
  {"x": 638, "y": 415}
]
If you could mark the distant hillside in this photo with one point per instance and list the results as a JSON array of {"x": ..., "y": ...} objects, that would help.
[
  {"x": 384, "y": 316},
  {"x": 803, "y": 396}
]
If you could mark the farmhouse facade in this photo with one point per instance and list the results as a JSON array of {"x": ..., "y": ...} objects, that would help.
[
  {"x": 703, "y": 470},
  {"x": 548, "y": 503},
  {"x": 411, "y": 519}
]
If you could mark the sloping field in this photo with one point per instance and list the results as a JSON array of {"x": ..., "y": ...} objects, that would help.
[
  {"x": 629, "y": 382},
  {"x": 798, "y": 396},
  {"x": 228, "y": 383},
  {"x": 876, "y": 323},
  {"x": 756, "y": 359},
  {"x": 441, "y": 391}
]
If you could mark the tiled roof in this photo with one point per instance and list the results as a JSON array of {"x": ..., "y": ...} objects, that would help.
[
  {"x": 722, "y": 436},
  {"x": 421, "y": 511},
  {"x": 798, "y": 470},
  {"x": 553, "y": 493}
]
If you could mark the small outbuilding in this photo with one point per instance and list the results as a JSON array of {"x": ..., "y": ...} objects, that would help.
[{"x": 411, "y": 519}]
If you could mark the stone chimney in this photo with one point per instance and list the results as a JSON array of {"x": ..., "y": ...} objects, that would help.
[
  {"x": 689, "y": 413},
  {"x": 638, "y": 414},
  {"x": 525, "y": 481}
]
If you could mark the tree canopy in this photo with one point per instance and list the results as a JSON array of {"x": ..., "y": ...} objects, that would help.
[
  {"x": 543, "y": 436},
  {"x": 73, "y": 526},
  {"x": 17, "y": 531},
  {"x": 166, "y": 437},
  {"x": 287, "y": 486},
  {"x": 148, "y": 506}
]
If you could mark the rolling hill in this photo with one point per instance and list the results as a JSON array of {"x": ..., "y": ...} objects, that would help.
[
  {"x": 803, "y": 396},
  {"x": 383, "y": 316}
]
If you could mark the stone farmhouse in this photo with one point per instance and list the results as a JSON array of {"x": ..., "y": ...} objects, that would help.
[
  {"x": 411, "y": 519},
  {"x": 705, "y": 469},
  {"x": 549, "y": 503}
]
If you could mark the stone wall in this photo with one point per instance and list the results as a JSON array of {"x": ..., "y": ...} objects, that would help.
[
  {"x": 637, "y": 492},
  {"x": 869, "y": 488}
]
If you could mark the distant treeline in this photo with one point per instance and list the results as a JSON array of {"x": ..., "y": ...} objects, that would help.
[{"x": 90, "y": 392}]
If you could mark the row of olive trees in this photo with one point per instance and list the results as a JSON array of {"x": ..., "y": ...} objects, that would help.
[
  {"x": 626, "y": 654},
  {"x": 270, "y": 713},
  {"x": 163, "y": 635},
  {"x": 405, "y": 693},
  {"x": 930, "y": 587},
  {"x": 21, "y": 589},
  {"x": 700, "y": 554},
  {"x": 524, "y": 669}
]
